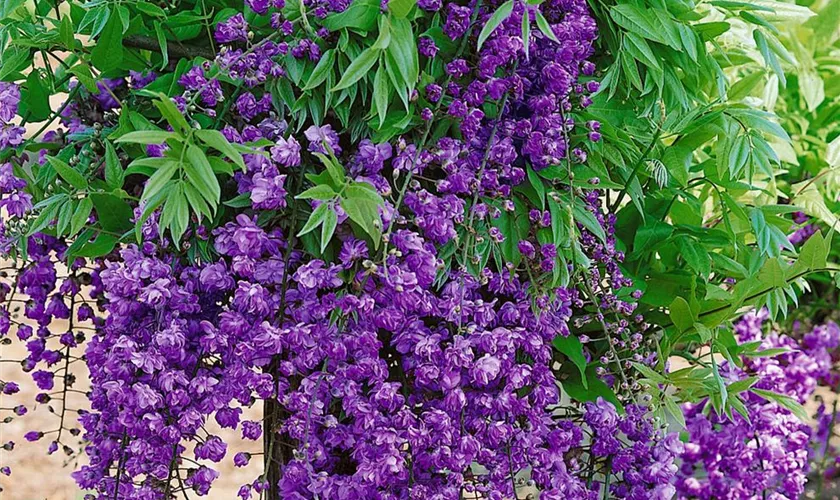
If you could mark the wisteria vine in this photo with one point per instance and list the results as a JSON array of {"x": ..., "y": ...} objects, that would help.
[{"x": 375, "y": 224}]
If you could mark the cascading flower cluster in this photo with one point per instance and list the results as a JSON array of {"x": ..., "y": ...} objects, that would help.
[{"x": 386, "y": 399}]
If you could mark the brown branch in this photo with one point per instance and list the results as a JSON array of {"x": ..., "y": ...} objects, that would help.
[{"x": 178, "y": 51}]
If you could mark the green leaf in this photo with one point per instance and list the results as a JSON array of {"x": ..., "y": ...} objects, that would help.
[
  {"x": 695, "y": 256},
  {"x": 588, "y": 220},
  {"x": 146, "y": 137},
  {"x": 316, "y": 218},
  {"x": 681, "y": 314},
  {"x": 8, "y": 7},
  {"x": 650, "y": 374},
  {"x": 639, "y": 49},
  {"x": 703, "y": 332},
  {"x": 80, "y": 216},
  {"x": 180, "y": 218},
  {"x": 322, "y": 70},
  {"x": 35, "y": 102},
  {"x": 159, "y": 179},
  {"x": 114, "y": 174},
  {"x": 64, "y": 215},
  {"x": 738, "y": 155},
  {"x": 786, "y": 402},
  {"x": 334, "y": 169},
  {"x": 112, "y": 213},
  {"x": 150, "y": 9},
  {"x": 107, "y": 53},
  {"x": 595, "y": 388},
  {"x": 328, "y": 228},
  {"x": 673, "y": 409},
  {"x": 668, "y": 28},
  {"x": 401, "y": 8},
  {"x": 43, "y": 220},
  {"x": 384, "y": 38},
  {"x": 381, "y": 94},
  {"x": 814, "y": 252},
  {"x": 513, "y": 226},
  {"x": 241, "y": 201},
  {"x": 361, "y": 15},
  {"x": 638, "y": 21},
  {"x": 571, "y": 347},
  {"x": 741, "y": 385},
  {"x": 102, "y": 245},
  {"x": 742, "y": 88},
  {"x": 68, "y": 173},
  {"x": 200, "y": 174},
  {"x": 365, "y": 213},
  {"x": 217, "y": 141},
  {"x": 52, "y": 200},
  {"x": 537, "y": 184},
  {"x": 770, "y": 239},
  {"x": 172, "y": 114},
  {"x": 358, "y": 68},
  {"x": 772, "y": 274},
  {"x": 650, "y": 235},
  {"x": 631, "y": 69},
  {"x": 161, "y": 38},
  {"x": 766, "y": 353},
  {"x": 96, "y": 18},
  {"x": 152, "y": 203},
  {"x": 502, "y": 12},
  {"x": 320, "y": 192},
  {"x": 364, "y": 191},
  {"x": 170, "y": 214},
  {"x": 83, "y": 73},
  {"x": 689, "y": 40},
  {"x": 721, "y": 384},
  {"x": 545, "y": 28},
  {"x": 769, "y": 56},
  {"x": 403, "y": 51},
  {"x": 526, "y": 34},
  {"x": 199, "y": 206},
  {"x": 66, "y": 33}
]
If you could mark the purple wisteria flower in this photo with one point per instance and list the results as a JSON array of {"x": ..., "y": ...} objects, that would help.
[{"x": 321, "y": 138}]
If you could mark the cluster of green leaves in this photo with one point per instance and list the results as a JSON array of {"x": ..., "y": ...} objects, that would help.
[
  {"x": 183, "y": 180},
  {"x": 44, "y": 45},
  {"x": 123, "y": 32},
  {"x": 694, "y": 164},
  {"x": 696, "y": 324},
  {"x": 702, "y": 324},
  {"x": 184, "y": 177},
  {"x": 359, "y": 200},
  {"x": 375, "y": 63},
  {"x": 809, "y": 108}
]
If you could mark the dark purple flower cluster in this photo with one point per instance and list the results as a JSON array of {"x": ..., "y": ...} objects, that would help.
[
  {"x": 769, "y": 452},
  {"x": 804, "y": 229},
  {"x": 10, "y": 134},
  {"x": 383, "y": 391}
]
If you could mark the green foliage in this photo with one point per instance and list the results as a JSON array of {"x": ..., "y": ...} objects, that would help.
[
  {"x": 700, "y": 166},
  {"x": 359, "y": 200}
]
